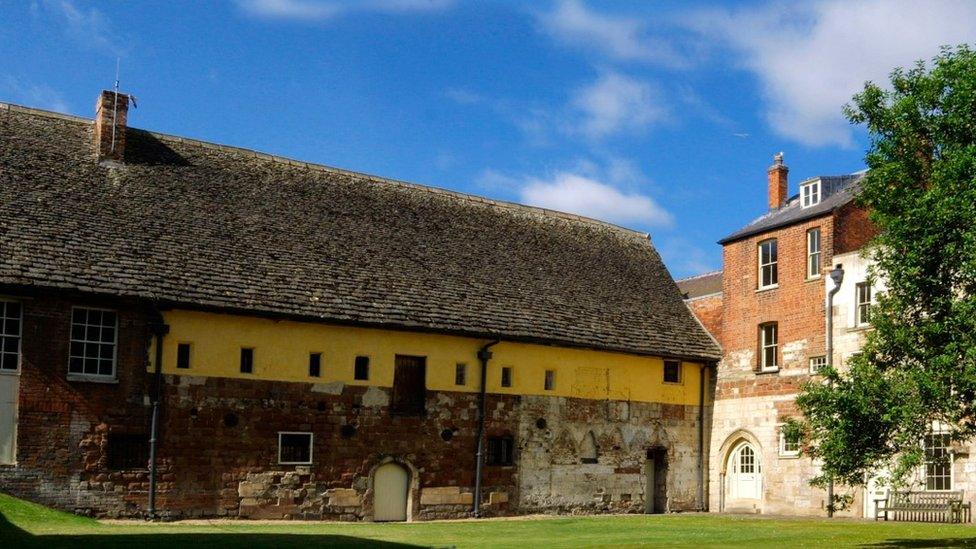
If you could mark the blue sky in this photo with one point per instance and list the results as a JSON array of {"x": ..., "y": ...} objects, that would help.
[{"x": 659, "y": 116}]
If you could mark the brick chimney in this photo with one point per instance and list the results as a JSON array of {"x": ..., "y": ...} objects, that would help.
[
  {"x": 111, "y": 111},
  {"x": 778, "y": 182}
]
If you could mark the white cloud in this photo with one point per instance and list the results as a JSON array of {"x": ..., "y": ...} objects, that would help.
[
  {"x": 615, "y": 103},
  {"x": 318, "y": 10},
  {"x": 811, "y": 58},
  {"x": 619, "y": 37},
  {"x": 34, "y": 95},
  {"x": 607, "y": 192},
  {"x": 87, "y": 26}
]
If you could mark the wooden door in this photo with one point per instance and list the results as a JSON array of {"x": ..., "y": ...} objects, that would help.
[
  {"x": 391, "y": 484},
  {"x": 651, "y": 489},
  {"x": 409, "y": 385}
]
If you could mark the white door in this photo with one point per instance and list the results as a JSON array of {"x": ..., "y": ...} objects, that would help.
[
  {"x": 744, "y": 473},
  {"x": 872, "y": 492},
  {"x": 391, "y": 483},
  {"x": 9, "y": 391}
]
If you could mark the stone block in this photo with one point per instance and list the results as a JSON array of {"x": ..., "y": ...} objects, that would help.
[{"x": 343, "y": 497}]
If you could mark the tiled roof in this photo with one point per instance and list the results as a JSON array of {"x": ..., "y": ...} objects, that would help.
[
  {"x": 193, "y": 224},
  {"x": 701, "y": 285},
  {"x": 836, "y": 191}
]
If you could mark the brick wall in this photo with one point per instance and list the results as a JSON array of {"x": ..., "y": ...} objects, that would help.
[
  {"x": 852, "y": 228},
  {"x": 708, "y": 310}
]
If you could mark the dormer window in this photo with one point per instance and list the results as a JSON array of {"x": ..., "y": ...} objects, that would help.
[{"x": 810, "y": 193}]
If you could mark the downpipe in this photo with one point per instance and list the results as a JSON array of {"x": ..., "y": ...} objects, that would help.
[
  {"x": 159, "y": 330},
  {"x": 484, "y": 355}
]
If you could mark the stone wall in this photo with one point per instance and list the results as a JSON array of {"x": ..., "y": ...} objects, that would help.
[{"x": 218, "y": 453}]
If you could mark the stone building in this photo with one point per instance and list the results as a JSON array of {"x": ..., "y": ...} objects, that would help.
[{"x": 319, "y": 343}]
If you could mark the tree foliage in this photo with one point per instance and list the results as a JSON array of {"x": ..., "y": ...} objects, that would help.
[{"x": 918, "y": 365}]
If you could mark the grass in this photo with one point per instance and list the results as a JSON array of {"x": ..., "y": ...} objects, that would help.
[{"x": 24, "y": 524}]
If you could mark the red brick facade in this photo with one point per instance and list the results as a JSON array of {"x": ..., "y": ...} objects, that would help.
[{"x": 708, "y": 310}]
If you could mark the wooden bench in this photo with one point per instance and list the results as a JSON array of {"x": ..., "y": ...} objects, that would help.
[{"x": 923, "y": 506}]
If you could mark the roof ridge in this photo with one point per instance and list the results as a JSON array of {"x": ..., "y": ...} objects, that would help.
[
  {"x": 331, "y": 169},
  {"x": 699, "y": 275}
]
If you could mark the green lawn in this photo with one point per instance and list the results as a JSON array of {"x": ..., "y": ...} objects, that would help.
[{"x": 25, "y": 524}]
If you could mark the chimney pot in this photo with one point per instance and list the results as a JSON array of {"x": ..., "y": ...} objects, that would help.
[
  {"x": 778, "y": 176},
  {"x": 111, "y": 112}
]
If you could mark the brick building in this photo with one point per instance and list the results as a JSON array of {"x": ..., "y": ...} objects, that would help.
[
  {"x": 770, "y": 320},
  {"x": 318, "y": 343}
]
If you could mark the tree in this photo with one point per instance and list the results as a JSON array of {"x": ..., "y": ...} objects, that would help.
[{"x": 918, "y": 365}]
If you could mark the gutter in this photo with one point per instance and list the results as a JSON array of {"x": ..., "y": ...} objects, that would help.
[
  {"x": 484, "y": 355},
  {"x": 701, "y": 436},
  {"x": 159, "y": 329}
]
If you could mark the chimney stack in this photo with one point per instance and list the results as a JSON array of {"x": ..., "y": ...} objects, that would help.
[
  {"x": 778, "y": 183},
  {"x": 111, "y": 111}
]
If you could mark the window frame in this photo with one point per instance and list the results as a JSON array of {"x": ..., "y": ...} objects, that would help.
[
  {"x": 82, "y": 376},
  {"x": 949, "y": 456},
  {"x": 549, "y": 380},
  {"x": 460, "y": 374},
  {"x": 783, "y": 451},
  {"x": 811, "y": 274},
  {"x": 508, "y": 458},
  {"x": 763, "y": 345},
  {"x": 189, "y": 355},
  {"x": 680, "y": 379},
  {"x": 311, "y": 447},
  {"x": 355, "y": 367},
  {"x": 816, "y": 369},
  {"x": 772, "y": 265},
  {"x": 810, "y": 193},
  {"x": 19, "y": 336},
  {"x": 240, "y": 365},
  {"x": 859, "y": 315},
  {"x": 507, "y": 377},
  {"x": 317, "y": 357}
]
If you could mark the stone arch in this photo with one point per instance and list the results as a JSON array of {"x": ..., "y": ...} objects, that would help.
[
  {"x": 413, "y": 489},
  {"x": 730, "y": 448},
  {"x": 589, "y": 452},
  {"x": 564, "y": 449}
]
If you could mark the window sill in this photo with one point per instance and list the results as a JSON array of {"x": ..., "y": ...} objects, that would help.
[
  {"x": 10, "y": 372},
  {"x": 813, "y": 278},
  {"x": 767, "y": 288},
  {"x": 769, "y": 371},
  {"x": 93, "y": 379},
  {"x": 789, "y": 456},
  {"x": 859, "y": 328},
  {"x": 674, "y": 383}
]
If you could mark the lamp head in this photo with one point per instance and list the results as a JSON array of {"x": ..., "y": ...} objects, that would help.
[{"x": 837, "y": 275}]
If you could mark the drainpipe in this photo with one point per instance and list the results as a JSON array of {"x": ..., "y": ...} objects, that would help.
[
  {"x": 701, "y": 436},
  {"x": 837, "y": 276},
  {"x": 484, "y": 355},
  {"x": 159, "y": 329}
]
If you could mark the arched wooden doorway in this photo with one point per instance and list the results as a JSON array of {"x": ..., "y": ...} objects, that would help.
[{"x": 391, "y": 489}]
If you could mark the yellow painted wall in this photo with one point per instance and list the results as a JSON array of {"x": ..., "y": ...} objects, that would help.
[{"x": 282, "y": 348}]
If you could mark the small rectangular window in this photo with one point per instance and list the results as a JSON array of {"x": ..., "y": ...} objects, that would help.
[
  {"x": 863, "y": 311},
  {"x": 294, "y": 448},
  {"x": 672, "y": 371},
  {"x": 768, "y": 347},
  {"x": 817, "y": 364},
  {"x": 362, "y": 368},
  {"x": 127, "y": 451},
  {"x": 501, "y": 451},
  {"x": 789, "y": 446},
  {"x": 315, "y": 364},
  {"x": 768, "y": 260},
  {"x": 506, "y": 376},
  {"x": 93, "y": 341},
  {"x": 810, "y": 194},
  {"x": 247, "y": 360},
  {"x": 460, "y": 374},
  {"x": 550, "y": 381},
  {"x": 183, "y": 356},
  {"x": 813, "y": 253},
  {"x": 9, "y": 336}
]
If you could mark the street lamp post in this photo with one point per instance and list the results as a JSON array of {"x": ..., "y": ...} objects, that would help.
[{"x": 837, "y": 276}]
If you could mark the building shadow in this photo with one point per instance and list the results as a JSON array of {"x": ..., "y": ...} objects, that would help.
[{"x": 12, "y": 536}]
